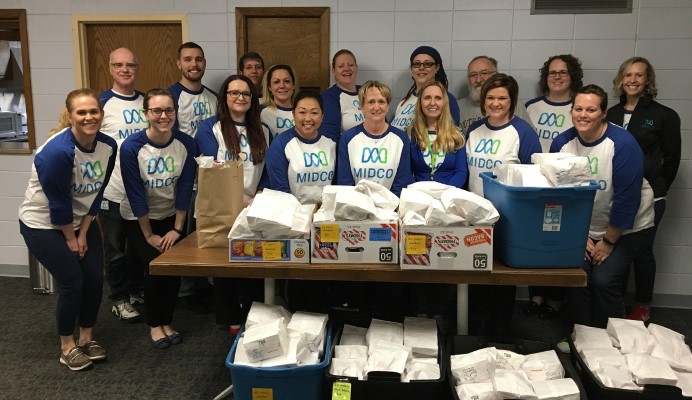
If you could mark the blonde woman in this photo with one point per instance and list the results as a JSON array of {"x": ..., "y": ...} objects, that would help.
[
  {"x": 279, "y": 88},
  {"x": 437, "y": 146}
]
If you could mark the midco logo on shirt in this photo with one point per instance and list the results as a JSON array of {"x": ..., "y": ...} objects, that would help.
[
  {"x": 91, "y": 171},
  {"x": 373, "y": 155},
  {"x": 410, "y": 109},
  {"x": 284, "y": 123},
  {"x": 201, "y": 108},
  {"x": 134, "y": 116},
  {"x": 318, "y": 159},
  {"x": 161, "y": 165},
  {"x": 319, "y": 174},
  {"x": 485, "y": 146},
  {"x": 550, "y": 120},
  {"x": 593, "y": 163}
]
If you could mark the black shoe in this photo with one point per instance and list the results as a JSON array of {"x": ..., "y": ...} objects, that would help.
[
  {"x": 547, "y": 312},
  {"x": 197, "y": 305},
  {"x": 532, "y": 308}
]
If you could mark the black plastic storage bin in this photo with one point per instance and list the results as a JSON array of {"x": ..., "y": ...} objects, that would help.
[
  {"x": 465, "y": 344},
  {"x": 597, "y": 391},
  {"x": 388, "y": 385}
]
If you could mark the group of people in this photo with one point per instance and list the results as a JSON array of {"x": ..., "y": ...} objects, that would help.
[{"x": 130, "y": 156}]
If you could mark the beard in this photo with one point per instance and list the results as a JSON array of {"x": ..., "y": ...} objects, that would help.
[{"x": 475, "y": 94}]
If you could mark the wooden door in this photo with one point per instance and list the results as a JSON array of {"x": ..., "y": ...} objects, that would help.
[
  {"x": 297, "y": 36},
  {"x": 154, "y": 42}
]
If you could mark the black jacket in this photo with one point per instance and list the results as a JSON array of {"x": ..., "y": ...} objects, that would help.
[{"x": 657, "y": 130}]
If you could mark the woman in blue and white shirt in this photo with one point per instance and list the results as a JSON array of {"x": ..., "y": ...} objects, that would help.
[
  {"x": 341, "y": 106},
  {"x": 68, "y": 176}
]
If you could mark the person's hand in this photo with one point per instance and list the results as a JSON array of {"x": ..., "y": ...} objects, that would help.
[
  {"x": 83, "y": 247},
  {"x": 155, "y": 242},
  {"x": 601, "y": 252},
  {"x": 169, "y": 240},
  {"x": 73, "y": 245}
]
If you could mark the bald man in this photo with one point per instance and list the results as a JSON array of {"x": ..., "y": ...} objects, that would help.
[{"x": 123, "y": 116}]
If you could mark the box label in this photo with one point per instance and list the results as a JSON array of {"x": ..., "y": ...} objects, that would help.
[
  {"x": 552, "y": 217},
  {"x": 480, "y": 261},
  {"x": 380, "y": 234},
  {"x": 386, "y": 254},
  {"x": 330, "y": 233},
  {"x": 415, "y": 244},
  {"x": 271, "y": 250},
  {"x": 262, "y": 394},
  {"x": 341, "y": 391}
]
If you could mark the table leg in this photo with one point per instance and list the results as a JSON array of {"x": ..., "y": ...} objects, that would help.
[
  {"x": 462, "y": 309},
  {"x": 269, "y": 290}
]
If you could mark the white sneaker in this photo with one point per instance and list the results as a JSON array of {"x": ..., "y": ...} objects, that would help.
[
  {"x": 137, "y": 299},
  {"x": 125, "y": 312}
]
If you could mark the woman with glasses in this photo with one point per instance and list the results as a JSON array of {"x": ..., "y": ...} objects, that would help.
[
  {"x": 236, "y": 131},
  {"x": 341, "y": 107},
  {"x": 561, "y": 76},
  {"x": 158, "y": 171},
  {"x": 426, "y": 66},
  {"x": 499, "y": 138},
  {"x": 657, "y": 130},
  {"x": 279, "y": 87},
  {"x": 68, "y": 176}
]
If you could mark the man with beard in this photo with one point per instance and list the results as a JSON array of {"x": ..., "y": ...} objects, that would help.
[
  {"x": 194, "y": 103},
  {"x": 478, "y": 71}
]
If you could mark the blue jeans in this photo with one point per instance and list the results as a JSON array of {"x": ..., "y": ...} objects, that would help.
[
  {"x": 645, "y": 266},
  {"x": 603, "y": 296},
  {"x": 124, "y": 274},
  {"x": 80, "y": 282}
]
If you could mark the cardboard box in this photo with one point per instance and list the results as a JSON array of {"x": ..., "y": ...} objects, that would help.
[
  {"x": 462, "y": 248},
  {"x": 267, "y": 250},
  {"x": 340, "y": 242}
]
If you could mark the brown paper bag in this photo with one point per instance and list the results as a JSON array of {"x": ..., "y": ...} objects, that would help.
[{"x": 219, "y": 201}]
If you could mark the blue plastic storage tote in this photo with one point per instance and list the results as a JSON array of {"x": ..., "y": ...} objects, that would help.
[
  {"x": 540, "y": 227},
  {"x": 279, "y": 383}
]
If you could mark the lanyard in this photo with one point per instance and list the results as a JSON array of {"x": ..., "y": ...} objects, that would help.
[{"x": 433, "y": 156}]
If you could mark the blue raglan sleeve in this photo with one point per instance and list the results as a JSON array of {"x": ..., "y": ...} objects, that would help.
[
  {"x": 205, "y": 139},
  {"x": 96, "y": 205},
  {"x": 403, "y": 176},
  {"x": 461, "y": 169},
  {"x": 54, "y": 165},
  {"x": 454, "y": 109},
  {"x": 129, "y": 168},
  {"x": 183, "y": 195},
  {"x": 175, "y": 91},
  {"x": 528, "y": 141},
  {"x": 277, "y": 163},
  {"x": 331, "y": 122},
  {"x": 419, "y": 169},
  {"x": 628, "y": 177},
  {"x": 344, "y": 176}
]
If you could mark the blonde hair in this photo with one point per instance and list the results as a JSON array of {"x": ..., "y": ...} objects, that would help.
[
  {"x": 63, "y": 119},
  {"x": 650, "y": 90},
  {"x": 448, "y": 139},
  {"x": 385, "y": 91},
  {"x": 267, "y": 95}
]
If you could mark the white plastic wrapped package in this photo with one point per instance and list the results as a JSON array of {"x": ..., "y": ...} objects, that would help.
[
  {"x": 420, "y": 370},
  {"x": 590, "y": 337},
  {"x": 684, "y": 383},
  {"x": 631, "y": 337},
  {"x": 543, "y": 366},
  {"x": 272, "y": 210},
  {"x": 386, "y": 331},
  {"x": 380, "y": 195},
  {"x": 569, "y": 171},
  {"x": 421, "y": 335},
  {"x": 326, "y": 211},
  {"x": 599, "y": 358},
  {"x": 477, "y": 366},
  {"x": 351, "y": 352},
  {"x": 241, "y": 229},
  {"x": 649, "y": 370},
  {"x": 522, "y": 175},
  {"x": 558, "y": 389},
  {"x": 440, "y": 217},
  {"x": 386, "y": 356},
  {"x": 295, "y": 354},
  {"x": 415, "y": 201},
  {"x": 432, "y": 188},
  {"x": 353, "y": 206},
  {"x": 671, "y": 346},
  {"x": 616, "y": 378},
  {"x": 351, "y": 367},
  {"x": 477, "y": 391},
  {"x": 266, "y": 340},
  {"x": 513, "y": 385},
  {"x": 412, "y": 218},
  {"x": 260, "y": 313},
  {"x": 474, "y": 208},
  {"x": 311, "y": 327},
  {"x": 353, "y": 335}
]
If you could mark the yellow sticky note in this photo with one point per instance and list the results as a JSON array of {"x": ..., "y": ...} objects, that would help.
[
  {"x": 330, "y": 233},
  {"x": 271, "y": 250},
  {"x": 262, "y": 394},
  {"x": 415, "y": 244},
  {"x": 341, "y": 391}
]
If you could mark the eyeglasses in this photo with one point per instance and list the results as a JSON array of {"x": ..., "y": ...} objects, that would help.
[
  {"x": 158, "y": 111},
  {"x": 483, "y": 74},
  {"x": 237, "y": 93},
  {"x": 555, "y": 74},
  {"x": 120, "y": 65},
  {"x": 424, "y": 64}
]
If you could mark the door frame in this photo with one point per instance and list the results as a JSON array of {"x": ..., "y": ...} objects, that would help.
[{"x": 80, "y": 22}]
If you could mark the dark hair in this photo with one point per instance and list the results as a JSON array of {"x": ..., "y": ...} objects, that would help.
[
  {"x": 440, "y": 75},
  {"x": 249, "y": 56},
  {"x": 500, "y": 80},
  {"x": 308, "y": 94},
  {"x": 155, "y": 92},
  {"x": 573, "y": 68},
  {"x": 189, "y": 45},
  {"x": 593, "y": 89},
  {"x": 253, "y": 123},
  {"x": 342, "y": 52}
]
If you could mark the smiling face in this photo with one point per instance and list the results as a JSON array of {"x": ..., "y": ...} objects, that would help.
[
  {"x": 162, "y": 124},
  {"x": 559, "y": 80},
  {"x": 345, "y": 71},
  {"x": 587, "y": 115},
  {"x": 497, "y": 106},
  {"x": 238, "y": 106},
  {"x": 85, "y": 116},
  {"x": 281, "y": 87},
  {"x": 192, "y": 64},
  {"x": 635, "y": 80},
  {"x": 375, "y": 106},
  {"x": 308, "y": 117},
  {"x": 432, "y": 102},
  {"x": 423, "y": 75},
  {"x": 123, "y": 69},
  {"x": 478, "y": 72}
]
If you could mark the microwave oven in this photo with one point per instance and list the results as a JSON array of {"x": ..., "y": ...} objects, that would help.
[{"x": 10, "y": 124}]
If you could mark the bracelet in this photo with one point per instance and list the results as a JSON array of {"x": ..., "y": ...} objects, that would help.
[
  {"x": 608, "y": 242},
  {"x": 179, "y": 232}
]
